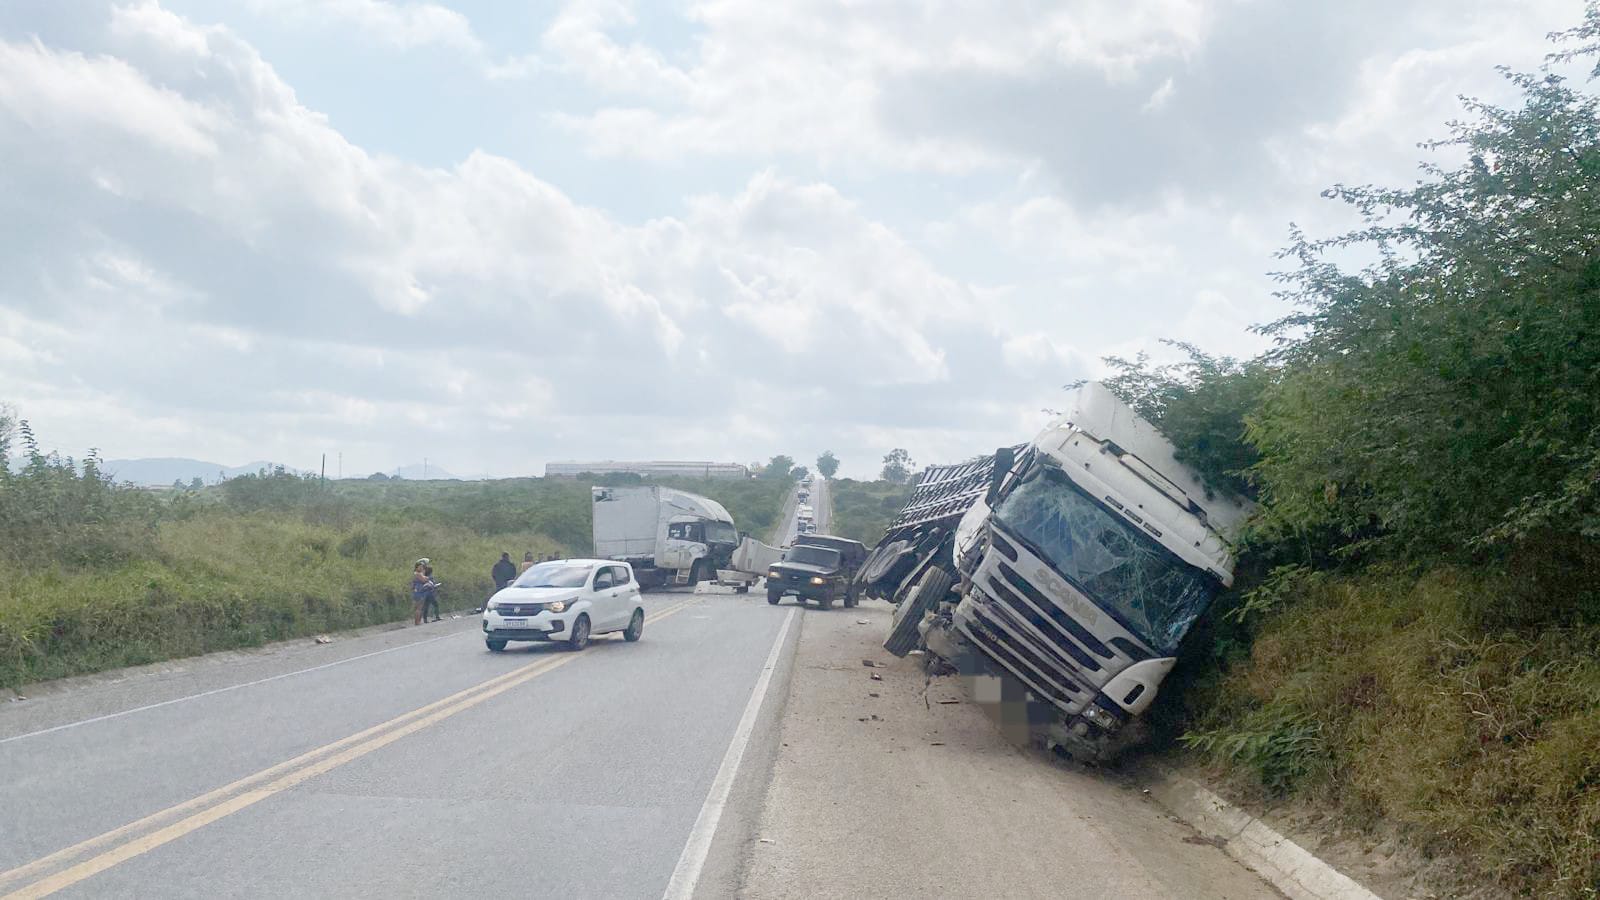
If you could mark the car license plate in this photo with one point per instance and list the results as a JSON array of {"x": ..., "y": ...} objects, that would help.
[{"x": 513, "y": 623}]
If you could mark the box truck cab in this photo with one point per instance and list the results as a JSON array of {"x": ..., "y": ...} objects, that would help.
[
  {"x": 1070, "y": 568},
  {"x": 668, "y": 536}
]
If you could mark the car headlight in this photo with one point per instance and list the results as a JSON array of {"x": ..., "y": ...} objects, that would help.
[
  {"x": 556, "y": 606},
  {"x": 818, "y": 580},
  {"x": 492, "y": 604},
  {"x": 774, "y": 574}
]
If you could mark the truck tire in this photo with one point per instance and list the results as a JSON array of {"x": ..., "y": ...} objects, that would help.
[
  {"x": 852, "y": 596},
  {"x": 825, "y": 601},
  {"x": 931, "y": 588},
  {"x": 773, "y": 597},
  {"x": 882, "y": 560}
]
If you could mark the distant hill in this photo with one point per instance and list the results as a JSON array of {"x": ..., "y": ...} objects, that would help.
[
  {"x": 165, "y": 470},
  {"x": 415, "y": 472}
]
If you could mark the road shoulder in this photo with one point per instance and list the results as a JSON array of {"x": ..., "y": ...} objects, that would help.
[{"x": 886, "y": 786}]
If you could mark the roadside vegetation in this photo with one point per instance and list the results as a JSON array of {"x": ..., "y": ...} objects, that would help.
[
  {"x": 1412, "y": 639},
  {"x": 862, "y": 509},
  {"x": 100, "y": 576}
]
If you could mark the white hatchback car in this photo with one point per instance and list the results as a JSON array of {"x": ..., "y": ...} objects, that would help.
[{"x": 566, "y": 600}]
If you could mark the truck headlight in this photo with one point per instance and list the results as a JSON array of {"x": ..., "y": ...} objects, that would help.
[
  {"x": 1106, "y": 721},
  {"x": 817, "y": 580},
  {"x": 774, "y": 574}
]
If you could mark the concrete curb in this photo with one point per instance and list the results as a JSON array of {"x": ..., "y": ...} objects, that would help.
[{"x": 1285, "y": 865}]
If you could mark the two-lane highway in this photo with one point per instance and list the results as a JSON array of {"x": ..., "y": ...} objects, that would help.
[{"x": 421, "y": 768}]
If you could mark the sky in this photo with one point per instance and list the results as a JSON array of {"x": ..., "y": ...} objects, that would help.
[{"x": 496, "y": 234}]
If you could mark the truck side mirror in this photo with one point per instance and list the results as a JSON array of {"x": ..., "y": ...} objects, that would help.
[{"x": 1004, "y": 458}]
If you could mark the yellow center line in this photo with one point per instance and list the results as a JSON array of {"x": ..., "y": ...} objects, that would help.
[{"x": 298, "y": 770}]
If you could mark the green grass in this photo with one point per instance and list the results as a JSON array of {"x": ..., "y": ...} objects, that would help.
[
  {"x": 1418, "y": 701},
  {"x": 259, "y": 560},
  {"x": 863, "y": 509}
]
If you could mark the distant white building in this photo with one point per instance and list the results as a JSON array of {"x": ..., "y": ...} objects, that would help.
[{"x": 656, "y": 467}]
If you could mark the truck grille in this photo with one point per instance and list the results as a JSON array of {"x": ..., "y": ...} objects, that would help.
[{"x": 1064, "y": 623}]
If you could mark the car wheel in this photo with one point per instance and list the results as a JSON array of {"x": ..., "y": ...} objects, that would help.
[
  {"x": 773, "y": 598},
  {"x": 580, "y": 634},
  {"x": 494, "y": 645},
  {"x": 635, "y": 626},
  {"x": 931, "y": 588}
]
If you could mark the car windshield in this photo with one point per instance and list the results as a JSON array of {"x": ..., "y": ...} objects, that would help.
[
  {"x": 555, "y": 575},
  {"x": 812, "y": 556},
  {"x": 1124, "y": 571}
]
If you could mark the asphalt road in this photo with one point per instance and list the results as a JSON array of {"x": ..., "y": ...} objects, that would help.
[{"x": 417, "y": 764}]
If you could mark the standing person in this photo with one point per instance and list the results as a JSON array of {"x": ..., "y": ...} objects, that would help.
[
  {"x": 504, "y": 572},
  {"x": 431, "y": 599},
  {"x": 419, "y": 591},
  {"x": 527, "y": 561}
]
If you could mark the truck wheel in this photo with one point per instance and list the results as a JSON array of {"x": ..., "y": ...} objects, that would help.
[
  {"x": 904, "y": 637},
  {"x": 773, "y": 598},
  {"x": 825, "y": 601},
  {"x": 694, "y": 573},
  {"x": 852, "y": 596}
]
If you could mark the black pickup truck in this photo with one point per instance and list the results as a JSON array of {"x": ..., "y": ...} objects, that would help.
[{"x": 818, "y": 567}]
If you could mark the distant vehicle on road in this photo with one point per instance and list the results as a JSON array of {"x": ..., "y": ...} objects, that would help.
[
  {"x": 667, "y": 536},
  {"x": 818, "y": 567},
  {"x": 566, "y": 600}
]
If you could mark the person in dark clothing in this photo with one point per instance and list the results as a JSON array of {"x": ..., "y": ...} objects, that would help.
[
  {"x": 431, "y": 598},
  {"x": 504, "y": 572}
]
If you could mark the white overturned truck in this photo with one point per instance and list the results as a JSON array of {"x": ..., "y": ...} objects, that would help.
[{"x": 1066, "y": 570}]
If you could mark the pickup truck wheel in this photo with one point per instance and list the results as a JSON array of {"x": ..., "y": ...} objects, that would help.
[
  {"x": 930, "y": 589},
  {"x": 852, "y": 596},
  {"x": 494, "y": 645},
  {"x": 635, "y": 626},
  {"x": 825, "y": 601},
  {"x": 580, "y": 634},
  {"x": 773, "y": 598}
]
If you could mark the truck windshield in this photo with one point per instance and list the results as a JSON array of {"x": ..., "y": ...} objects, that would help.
[
  {"x": 1124, "y": 571},
  {"x": 721, "y": 533},
  {"x": 812, "y": 556},
  {"x": 554, "y": 575}
]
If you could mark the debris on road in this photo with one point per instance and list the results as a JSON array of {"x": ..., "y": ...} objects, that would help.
[
  {"x": 948, "y": 701},
  {"x": 324, "y": 639},
  {"x": 872, "y": 664},
  {"x": 936, "y": 743},
  {"x": 876, "y": 677},
  {"x": 872, "y": 695},
  {"x": 863, "y": 621}
]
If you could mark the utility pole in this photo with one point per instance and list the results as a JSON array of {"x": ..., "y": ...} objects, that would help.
[
  {"x": 324, "y": 468},
  {"x": 341, "y": 465},
  {"x": 424, "y": 468}
]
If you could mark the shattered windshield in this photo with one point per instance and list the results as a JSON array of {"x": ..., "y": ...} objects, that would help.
[
  {"x": 1124, "y": 571},
  {"x": 721, "y": 533}
]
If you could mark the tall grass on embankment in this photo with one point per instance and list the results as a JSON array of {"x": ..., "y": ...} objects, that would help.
[
  {"x": 220, "y": 580},
  {"x": 1457, "y": 707}
]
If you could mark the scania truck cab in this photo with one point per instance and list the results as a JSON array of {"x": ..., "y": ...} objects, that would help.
[{"x": 1069, "y": 568}]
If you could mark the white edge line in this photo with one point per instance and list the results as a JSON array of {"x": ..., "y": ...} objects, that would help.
[
  {"x": 232, "y": 687},
  {"x": 687, "y": 873}
]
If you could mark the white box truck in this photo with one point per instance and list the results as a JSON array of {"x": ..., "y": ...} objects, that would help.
[
  {"x": 1066, "y": 571},
  {"x": 668, "y": 536}
]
